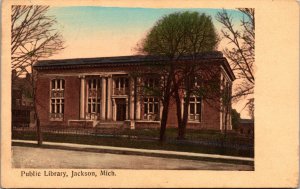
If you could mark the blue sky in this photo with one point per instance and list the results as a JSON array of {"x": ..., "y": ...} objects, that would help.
[
  {"x": 92, "y": 31},
  {"x": 115, "y": 17}
]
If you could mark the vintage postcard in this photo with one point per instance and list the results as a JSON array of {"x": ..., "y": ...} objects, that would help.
[{"x": 149, "y": 94}]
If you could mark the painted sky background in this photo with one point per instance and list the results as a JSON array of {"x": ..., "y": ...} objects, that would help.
[
  {"x": 111, "y": 31},
  {"x": 91, "y": 31}
]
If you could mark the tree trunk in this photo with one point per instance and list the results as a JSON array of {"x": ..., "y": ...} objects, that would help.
[
  {"x": 39, "y": 133},
  {"x": 181, "y": 132},
  {"x": 178, "y": 109},
  {"x": 166, "y": 102},
  {"x": 38, "y": 125},
  {"x": 225, "y": 122},
  {"x": 179, "y": 115},
  {"x": 182, "y": 128},
  {"x": 164, "y": 119},
  {"x": 183, "y": 123}
]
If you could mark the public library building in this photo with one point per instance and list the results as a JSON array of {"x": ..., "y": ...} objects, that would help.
[{"x": 100, "y": 92}]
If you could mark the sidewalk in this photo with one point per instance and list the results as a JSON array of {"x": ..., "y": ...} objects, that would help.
[{"x": 134, "y": 151}]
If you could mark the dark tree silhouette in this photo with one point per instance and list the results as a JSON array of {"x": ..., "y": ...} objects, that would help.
[{"x": 33, "y": 37}]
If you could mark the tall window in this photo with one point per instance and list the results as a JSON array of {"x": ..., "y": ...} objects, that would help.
[
  {"x": 57, "y": 99},
  {"x": 151, "y": 108},
  {"x": 151, "y": 82},
  {"x": 94, "y": 98},
  {"x": 195, "y": 109},
  {"x": 121, "y": 86}
]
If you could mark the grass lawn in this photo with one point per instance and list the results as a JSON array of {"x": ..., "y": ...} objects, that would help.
[{"x": 146, "y": 144}]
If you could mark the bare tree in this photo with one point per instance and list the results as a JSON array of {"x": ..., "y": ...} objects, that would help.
[
  {"x": 250, "y": 105},
  {"x": 33, "y": 37},
  {"x": 241, "y": 51}
]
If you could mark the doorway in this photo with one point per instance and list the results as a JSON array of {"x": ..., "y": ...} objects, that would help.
[{"x": 121, "y": 109}]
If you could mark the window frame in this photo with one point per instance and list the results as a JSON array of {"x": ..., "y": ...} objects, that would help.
[
  {"x": 151, "y": 106},
  {"x": 93, "y": 102},
  {"x": 57, "y": 99},
  {"x": 197, "y": 105},
  {"x": 121, "y": 83},
  {"x": 151, "y": 82}
]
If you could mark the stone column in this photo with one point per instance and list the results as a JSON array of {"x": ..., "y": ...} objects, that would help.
[
  {"x": 82, "y": 96},
  {"x": 161, "y": 101},
  {"x": 113, "y": 86},
  {"x": 127, "y": 109},
  {"x": 160, "y": 109},
  {"x": 103, "y": 98},
  {"x": 109, "y": 100},
  {"x": 138, "y": 101},
  {"x": 114, "y": 110},
  {"x": 221, "y": 106},
  {"x": 131, "y": 99},
  {"x": 182, "y": 106}
]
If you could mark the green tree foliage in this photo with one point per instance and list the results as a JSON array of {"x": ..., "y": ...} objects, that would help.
[
  {"x": 181, "y": 33},
  {"x": 175, "y": 36}
]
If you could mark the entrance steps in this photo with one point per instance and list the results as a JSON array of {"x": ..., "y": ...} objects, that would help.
[
  {"x": 110, "y": 124},
  {"x": 82, "y": 123}
]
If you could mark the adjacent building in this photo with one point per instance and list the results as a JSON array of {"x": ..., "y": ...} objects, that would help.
[
  {"x": 246, "y": 127},
  {"x": 105, "y": 92},
  {"x": 21, "y": 101}
]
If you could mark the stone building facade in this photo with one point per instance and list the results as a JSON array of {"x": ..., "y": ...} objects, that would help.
[{"x": 101, "y": 92}]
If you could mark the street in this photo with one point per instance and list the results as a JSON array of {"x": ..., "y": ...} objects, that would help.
[{"x": 30, "y": 157}]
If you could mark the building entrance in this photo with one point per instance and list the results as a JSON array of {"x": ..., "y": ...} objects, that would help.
[{"x": 121, "y": 109}]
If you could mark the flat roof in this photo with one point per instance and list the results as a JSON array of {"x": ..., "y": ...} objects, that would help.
[{"x": 125, "y": 60}]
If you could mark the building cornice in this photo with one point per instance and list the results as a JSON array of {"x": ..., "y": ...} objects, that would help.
[{"x": 126, "y": 61}]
